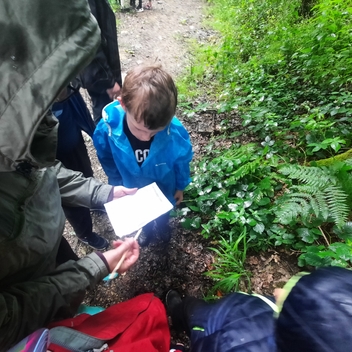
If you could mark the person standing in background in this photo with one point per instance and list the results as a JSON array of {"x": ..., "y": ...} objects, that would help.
[
  {"x": 74, "y": 117},
  {"x": 102, "y": 77}
]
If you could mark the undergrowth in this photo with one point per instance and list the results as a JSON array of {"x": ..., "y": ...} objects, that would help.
[{"x": 286, "y": 68}]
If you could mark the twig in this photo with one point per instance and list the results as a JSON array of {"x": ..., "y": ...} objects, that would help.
[{"x": 326, "y": 240}]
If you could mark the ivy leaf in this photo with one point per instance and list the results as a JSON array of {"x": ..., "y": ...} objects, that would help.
[
  {"x": 191, "y": 223},
  {"x": 225, "y": 215},
  {"x": 336, "y": 146},
  {"x": 251, "y": 222},
  {"x": 314, "y": 259},
  {"x": 306, "y": 234},
  {"x": 247, "y": 203},
  {"x": 185, "y": 211},
  {"x": 259, "y": 228},
  {"x": 342, "y": 250},
  {"x": 264, "y": 201},
  {"x": 240, "y": 194}
]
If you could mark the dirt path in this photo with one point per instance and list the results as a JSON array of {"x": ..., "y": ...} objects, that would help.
[{"x": 159, "y": 35}]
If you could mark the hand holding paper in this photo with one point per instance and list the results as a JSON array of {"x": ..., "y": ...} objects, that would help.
[
  {"x": 131, "y": 212},
  {"x": 120, "y": 191}
]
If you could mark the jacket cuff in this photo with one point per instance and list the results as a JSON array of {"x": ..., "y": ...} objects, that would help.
[
  {"x": 103, "y": 195},
  {"x": 101, "y": 256},
  {"x": 182, "y": 185},
  {"x": 95, "y": 266},
  {"x": 111, "y": 195}
]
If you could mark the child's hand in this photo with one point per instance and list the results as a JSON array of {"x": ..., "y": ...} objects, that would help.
[
  {"x": 120, "y": 191},
  {"x": 178, "y": 197}
]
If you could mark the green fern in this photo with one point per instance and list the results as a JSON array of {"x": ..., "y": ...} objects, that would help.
[
  {"x": 321, "y": 195},
  {"x": 343, "y": 173},
  {"x": 337, "y": 204},
  {"x": 246, "y": 169},
  {"x": 313, "y": 176}
]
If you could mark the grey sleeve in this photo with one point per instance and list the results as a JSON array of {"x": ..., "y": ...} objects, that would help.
[
  {"x": 77, "y": 190},
  {"x": 30, "y": 305}
]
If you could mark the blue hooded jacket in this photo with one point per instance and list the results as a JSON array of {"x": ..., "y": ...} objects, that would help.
[{"x": 167, "y": 163}]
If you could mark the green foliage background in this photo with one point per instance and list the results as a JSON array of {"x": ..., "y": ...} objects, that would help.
[{"x": 286, "y": 68}]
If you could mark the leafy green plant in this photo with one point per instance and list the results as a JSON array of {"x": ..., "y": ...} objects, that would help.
[
  {"x": 320, "y": 199},
  {"x": 316, "y": 198},
  {"x": 233, "y": 191},
  {"x": 228, "y": 270},
  {"x": 115, "y": 5},
  {"x": 337, "y": 254},
  {"x": 333, "y": 143},
  {"x": 286, "y": 67}
]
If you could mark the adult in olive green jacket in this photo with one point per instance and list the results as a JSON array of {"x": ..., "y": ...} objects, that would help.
[{"x": 43, "y": 44}]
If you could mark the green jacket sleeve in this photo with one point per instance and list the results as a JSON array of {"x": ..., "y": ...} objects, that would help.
[
  {"x": 77, "y": 190},
  {"x": 30, "y": 305}
]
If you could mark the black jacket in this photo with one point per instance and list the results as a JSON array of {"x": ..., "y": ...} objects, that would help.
[
  {"x": 105, "y": 69},
  {"x": 316, "y": 316},
  {"x": 235, "y": 323}
]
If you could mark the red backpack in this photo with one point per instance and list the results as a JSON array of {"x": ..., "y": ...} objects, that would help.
[{"x": 139, "y": 324}]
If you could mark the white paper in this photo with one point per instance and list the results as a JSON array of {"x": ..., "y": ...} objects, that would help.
[{"x": 129, "y": 213}]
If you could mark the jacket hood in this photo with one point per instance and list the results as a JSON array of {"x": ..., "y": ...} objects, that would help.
[
  {"x": 316, "y": 316},
  {"x": 44, "y": 44}
]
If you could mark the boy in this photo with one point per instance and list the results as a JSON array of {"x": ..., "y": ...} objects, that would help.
[{"x": 140, "y": 141}]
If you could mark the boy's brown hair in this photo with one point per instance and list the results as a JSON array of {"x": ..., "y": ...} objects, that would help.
[{"x": 150, "y": 95}]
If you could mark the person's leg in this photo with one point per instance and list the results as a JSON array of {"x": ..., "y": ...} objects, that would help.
[
  {"x": 72, "y": 152},
  {"x": 78, "y": 160},
  {"x": 163, "y": 228},
  {"x": 99, "y": 101},
  {"x": 80, "y": 220},
  {"x": 181, "y": 310},
  {"x": 78, "y": 217},
  {"x": 147, "y": 234}
]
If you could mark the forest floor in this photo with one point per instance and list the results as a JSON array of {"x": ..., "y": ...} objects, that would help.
[{"x": 162, "y": 35}]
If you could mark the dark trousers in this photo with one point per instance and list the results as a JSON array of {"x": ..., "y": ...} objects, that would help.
[
  {"x": 65, "y": 252},
  {"x": 160, "y": 224},
  {"x": 79, "y": 217},
  {"x": 74, "y": 117},
  {"x": 133, "y": 4},
  {"x": 185, "y": 311},
  {"x": 99, "y": 101}
]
